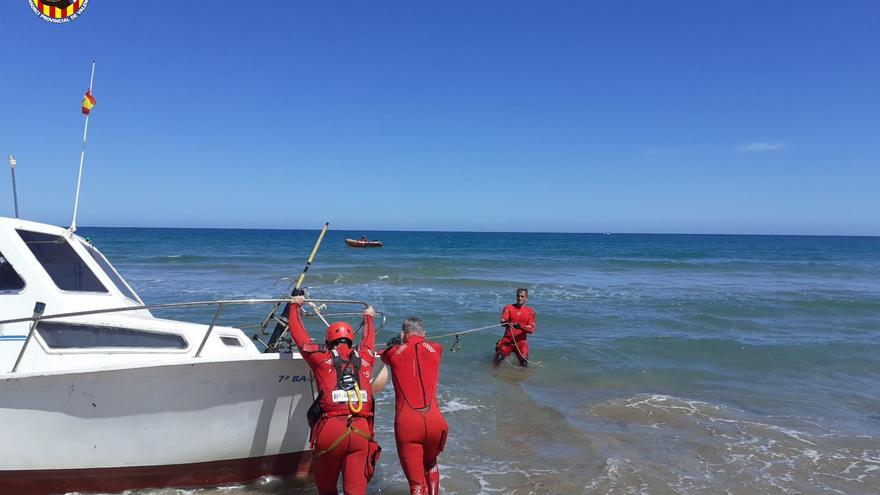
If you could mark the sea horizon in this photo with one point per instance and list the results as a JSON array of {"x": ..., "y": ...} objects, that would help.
[{"x": 537, "y": 232}]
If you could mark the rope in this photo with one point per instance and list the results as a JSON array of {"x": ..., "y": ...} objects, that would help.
[
  {"x": 457, "y": 345},
  {"x": 516, "y": 346},
  {"x": 437, "y": 337},
  {"x": 318, "y": 311},
  {"x": 360, "y": 402}
]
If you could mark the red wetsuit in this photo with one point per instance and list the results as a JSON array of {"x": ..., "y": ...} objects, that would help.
[
  {"x": 330, "y": 456},
  {"x": 419, "y": 427},
  {"x": 516, "y": 338}
]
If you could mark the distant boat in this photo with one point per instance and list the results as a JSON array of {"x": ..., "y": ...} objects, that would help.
[{"x": 360, "y": 243}]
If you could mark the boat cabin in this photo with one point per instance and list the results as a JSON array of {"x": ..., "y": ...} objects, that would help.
[{"x": 51, "y": 265}]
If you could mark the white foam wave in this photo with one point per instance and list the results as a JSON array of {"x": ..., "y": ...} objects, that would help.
[
  {"x": 503, "y": 476},
  {"x": 712, "y": 444},
  {"x": 454, "y": 405}
]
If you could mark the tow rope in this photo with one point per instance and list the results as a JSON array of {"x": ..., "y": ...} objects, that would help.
[{"x": 456, "y": 346}]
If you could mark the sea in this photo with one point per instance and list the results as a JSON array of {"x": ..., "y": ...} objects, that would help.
[{"x": 661, "y": 364}]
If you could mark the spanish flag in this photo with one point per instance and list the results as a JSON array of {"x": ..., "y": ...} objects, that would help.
[{"x": 88, "y": 102}]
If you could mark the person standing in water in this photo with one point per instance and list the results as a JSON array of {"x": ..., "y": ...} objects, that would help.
[
  {"x": 519, "y": 321},
  {"x": 419, "y": 427},
  {"x": 341, "y": 418}
]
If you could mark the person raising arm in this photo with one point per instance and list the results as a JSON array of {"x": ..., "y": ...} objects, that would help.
[{"x": 341, "y": 417}]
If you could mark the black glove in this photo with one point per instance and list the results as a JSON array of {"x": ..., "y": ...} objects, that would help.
[
  {"x": 298, "y": 292},
  {"x": 395, "y": 341},
  {"x": 516, "y": 326}
]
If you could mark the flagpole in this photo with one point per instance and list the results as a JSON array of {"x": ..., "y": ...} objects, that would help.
[
  {"x": 82, "y": 155},
  {"x": 14, "y": 192}
]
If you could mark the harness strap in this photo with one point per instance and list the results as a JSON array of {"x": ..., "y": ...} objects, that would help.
[
  {"x": 353, "y": 363},
  {"x": 348, "y": 431}
]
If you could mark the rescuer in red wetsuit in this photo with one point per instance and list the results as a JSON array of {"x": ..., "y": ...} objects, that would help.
[
  {"x": 519, "y": 321},
  {"x": 341, "y": 417},
  {"x": 419, "y": 427}
]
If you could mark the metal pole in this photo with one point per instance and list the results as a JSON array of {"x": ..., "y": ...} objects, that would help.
[
  {"x": 210, "y": 328},
  {"x": 14, "y": 192},
  {"x": 38, "y": 312},
  {"x": 177, "y": 305},
  {"x": 281, "y": 322},
  {"x": 82, "y": 156}
]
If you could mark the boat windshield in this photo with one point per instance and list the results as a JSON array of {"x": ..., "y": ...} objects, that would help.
[
  {"x": 111, "y": 272},
  {"x": 64, "y": 266},
  {"x": 10, "y": 280}
]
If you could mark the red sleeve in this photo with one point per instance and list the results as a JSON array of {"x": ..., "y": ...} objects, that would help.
[
  {"x": 530, "y": 327},
  {"x": 368, "y": 341},
  {"x": 386, "y": 355},
  {"x": 297, "y": 330},
  {"x": 505, "y": 314}
]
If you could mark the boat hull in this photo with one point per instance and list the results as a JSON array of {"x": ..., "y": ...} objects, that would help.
[
  {"x": 362, "y": 244},
  {"x": 189, "y": 423},
  {"x": 104, "y": 480}
]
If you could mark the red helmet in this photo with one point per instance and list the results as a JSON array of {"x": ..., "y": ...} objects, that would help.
[{"x": 339, "y": 330}]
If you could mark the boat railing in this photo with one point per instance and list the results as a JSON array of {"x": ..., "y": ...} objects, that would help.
[{"x": 40, "y": 307}]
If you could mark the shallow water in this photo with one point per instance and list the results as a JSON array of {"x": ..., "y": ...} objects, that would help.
[{"x": 663, "y": 364}]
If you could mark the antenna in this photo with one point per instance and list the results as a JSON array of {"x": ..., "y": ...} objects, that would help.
[
  {"x": 88, "y": 102},
  {"x": 14, "y": 192}
]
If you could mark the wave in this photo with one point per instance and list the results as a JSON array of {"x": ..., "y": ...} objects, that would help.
[
  {"x": 745, "y": 266},
  {"x": 709, "y": 448},
  {"x": 244, "y": 260},
  {"x": 177, "y": 258},
  {"x": 454, "y": 405}
]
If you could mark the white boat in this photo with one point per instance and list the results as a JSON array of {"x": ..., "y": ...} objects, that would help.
[{"x": 98, "y": 399}]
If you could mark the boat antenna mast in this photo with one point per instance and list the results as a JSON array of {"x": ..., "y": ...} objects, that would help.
[
  {"x": 14, "y": 192},
  {"x": 281, "y": 324},
  {"x": 88, "y": 101}
]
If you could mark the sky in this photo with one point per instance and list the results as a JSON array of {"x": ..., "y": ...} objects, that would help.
[{"x": 746, "y": 117}]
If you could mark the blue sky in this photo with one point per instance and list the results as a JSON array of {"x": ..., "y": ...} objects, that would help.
[{"x": 690, "y": 117}]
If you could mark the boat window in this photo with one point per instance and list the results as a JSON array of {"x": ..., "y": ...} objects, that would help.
[
  {"x": 10, "y": 280},
  {"x": 64, "y": 266},
  {"x": 69, "y": 336},
  {"x": 230, "y": 341},
  {"x": 111, "y": 272}
]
